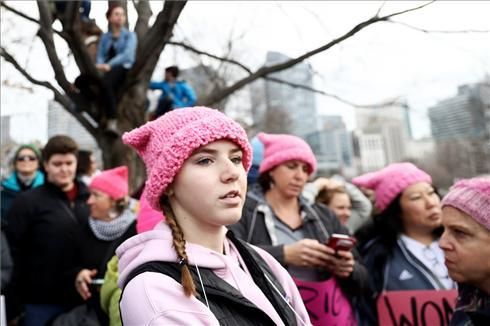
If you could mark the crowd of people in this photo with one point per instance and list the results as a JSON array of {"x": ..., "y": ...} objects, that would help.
[
  {"x": 225, "y": 230},
  {"x": 227, "y": 234}
]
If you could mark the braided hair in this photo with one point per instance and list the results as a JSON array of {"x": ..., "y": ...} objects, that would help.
[{"x": 179, "y": 246}]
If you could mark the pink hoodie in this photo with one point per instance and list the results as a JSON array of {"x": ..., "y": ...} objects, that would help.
[{"x": 157, "y": 299}]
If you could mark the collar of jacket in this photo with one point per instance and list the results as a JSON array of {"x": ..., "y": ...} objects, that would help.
[{"x": 12, "y": 183}]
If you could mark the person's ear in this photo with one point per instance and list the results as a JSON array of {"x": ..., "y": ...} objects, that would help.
[{"x": 170, "y": 191}]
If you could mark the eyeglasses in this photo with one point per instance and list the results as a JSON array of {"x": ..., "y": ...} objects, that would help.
[
  {"x": 437, "y": 268},
  {"x": 26, "y": 158}
]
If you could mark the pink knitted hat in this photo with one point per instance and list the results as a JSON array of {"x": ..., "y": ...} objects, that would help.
[
  {"x": 113, "y": 182},
  {"x": 165, "y": 143},
  {"x": 472, "y": 196},
  {"x": 281, "y": 148},
  {"x": 147, "y": 217},
  {"x": 390, "y": 181}
]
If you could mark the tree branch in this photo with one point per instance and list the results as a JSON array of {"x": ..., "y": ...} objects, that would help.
[
  {"x": 46, "y": 34},
  {"x": 215, "y": 98},
  {"x": 153, "y": 43},
  {"x": 31, "y": 19},
  {"x": 428, "y": 31},
  {"x": 144, "y": 14},
  {"x": 200, "y": 52},
  {"x": 58, "y": 96}
]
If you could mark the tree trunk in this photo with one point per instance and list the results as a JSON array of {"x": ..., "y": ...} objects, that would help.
[{"x": 131, "y": 114}]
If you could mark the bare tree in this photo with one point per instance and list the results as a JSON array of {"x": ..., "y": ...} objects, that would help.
[{"x": 152, "y": 40}]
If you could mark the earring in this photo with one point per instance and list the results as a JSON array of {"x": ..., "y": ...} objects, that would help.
[{"x": 112, "y": 214}]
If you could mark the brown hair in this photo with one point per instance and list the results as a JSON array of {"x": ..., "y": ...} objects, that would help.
[
  {"x": 113, "y": 5},
  {"x": 325, "y": 195},
  {"x": 179, "y": 246},
  {"x": 60, "y": 144}
]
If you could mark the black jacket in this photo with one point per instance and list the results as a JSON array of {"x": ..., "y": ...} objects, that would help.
[
  {"x": 227, "y": 304},
  {"x": 252, "y": 228},
  {"x": 44, "y": 234}
]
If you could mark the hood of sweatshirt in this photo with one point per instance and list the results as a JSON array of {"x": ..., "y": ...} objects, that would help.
[{"x": 157, "y": 245}]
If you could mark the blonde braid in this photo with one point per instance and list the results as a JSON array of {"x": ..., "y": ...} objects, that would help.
[{"x": 179, "y": 246}]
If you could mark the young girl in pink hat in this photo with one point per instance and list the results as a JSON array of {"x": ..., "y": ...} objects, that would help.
[{"x": 190, "y": 270}]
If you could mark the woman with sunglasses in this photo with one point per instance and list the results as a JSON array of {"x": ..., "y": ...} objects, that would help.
[{"x": 26, "y": 175}]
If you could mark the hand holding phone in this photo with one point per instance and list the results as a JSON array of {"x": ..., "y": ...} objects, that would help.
[{"x": 341, "y": 242}]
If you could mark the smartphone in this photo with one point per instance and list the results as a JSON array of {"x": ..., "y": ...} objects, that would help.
[{"x": 341, "y": 242}]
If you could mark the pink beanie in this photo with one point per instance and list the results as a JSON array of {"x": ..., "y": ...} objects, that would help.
[
  {"x": 147, "y": 217},
  {"x": 390, "y": 181},
  {"x": 165, "y": 143},
  {"x": 472, "y": 196},
  {"x": 281, "y": 148},
  {"x": 113, "y": 182}
]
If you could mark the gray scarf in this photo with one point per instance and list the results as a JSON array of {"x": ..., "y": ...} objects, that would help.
[{"x": 111, "y": 230}]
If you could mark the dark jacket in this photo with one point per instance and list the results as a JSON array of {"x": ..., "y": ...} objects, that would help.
[
  {"x": 6, "y": 262},
  {"x": 44, "y": 234},
  {"x": 319, "y": 223},
  {"x": 392, "y": 269},
  {"x": 227, "y": 304},
  {"x": 472, "y": 308},
  {"x": 12, "y": 187}
]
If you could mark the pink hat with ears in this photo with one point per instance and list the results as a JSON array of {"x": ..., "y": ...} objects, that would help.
[
  {"x": 390, "y": 181},
  {"x": 471, "y": 196},
  {"x": 165, "y": 143},
  {"x": 280, "y": 148},
  {"x": 113, "y": 182}
]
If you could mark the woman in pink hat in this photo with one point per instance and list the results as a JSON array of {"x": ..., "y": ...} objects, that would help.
[
  {"x": 111, "y": 222},
  {"x": 278, "y": 219},
  {"x": 402, "y": 250},
  {"x": 466, "y": 245},
  {"x": 190, "y": 270}
]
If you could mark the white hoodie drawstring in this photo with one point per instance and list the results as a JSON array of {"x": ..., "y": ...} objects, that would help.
[
  {"x": 202, "y": 286},
  {"x": 285, "y": 300}
]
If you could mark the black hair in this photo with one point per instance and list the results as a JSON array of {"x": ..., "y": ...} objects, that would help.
[
  {"x": 174, "y": 70},
  {"x": 84, "y": 161},
  {"x": 265, "y": 181}
]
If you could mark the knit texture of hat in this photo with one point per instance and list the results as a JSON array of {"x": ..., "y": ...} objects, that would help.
[
  {"x": 33, "y": 148},
  {"x": 165, "y": 143},
  {"x": 280, "y": 148},
  {"x": 472, "y": 196},
  {"x": 390, "y": 181},
  {"x": 113, "y": 182}
]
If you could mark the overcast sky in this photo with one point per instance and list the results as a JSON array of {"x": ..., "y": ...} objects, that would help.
[{"x": 383, "y": 61}]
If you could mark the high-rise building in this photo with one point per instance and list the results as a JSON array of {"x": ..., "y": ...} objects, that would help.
[
  {"x": 332, "y": 144},
  {"x": 461, "y": 128},
  {"x": 382, "y": 132},
  {"x": 465, "y": 115},
  {"x": 287, "y": 109},
  {"x": 60, "y": 122},
  {"x": 5, "y": 120}
]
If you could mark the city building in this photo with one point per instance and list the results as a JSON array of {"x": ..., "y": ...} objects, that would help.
[
  {"x": 382, "y": 135},
  {"x": 60, "y": 122},
  {"x": 332, "y": 145},
  {"x": 286, "y": 109},
  {"x": 460, "y": 126}
]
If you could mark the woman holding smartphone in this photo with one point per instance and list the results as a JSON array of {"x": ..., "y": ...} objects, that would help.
[
  {"x": 189, "y": 270},
  {"x": 278, "y": 219}
]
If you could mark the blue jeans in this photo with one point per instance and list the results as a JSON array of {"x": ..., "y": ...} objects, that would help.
[{"x": 40, "y": 314}]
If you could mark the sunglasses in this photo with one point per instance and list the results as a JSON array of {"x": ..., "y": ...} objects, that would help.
[{"x": 26, "y": 158}]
